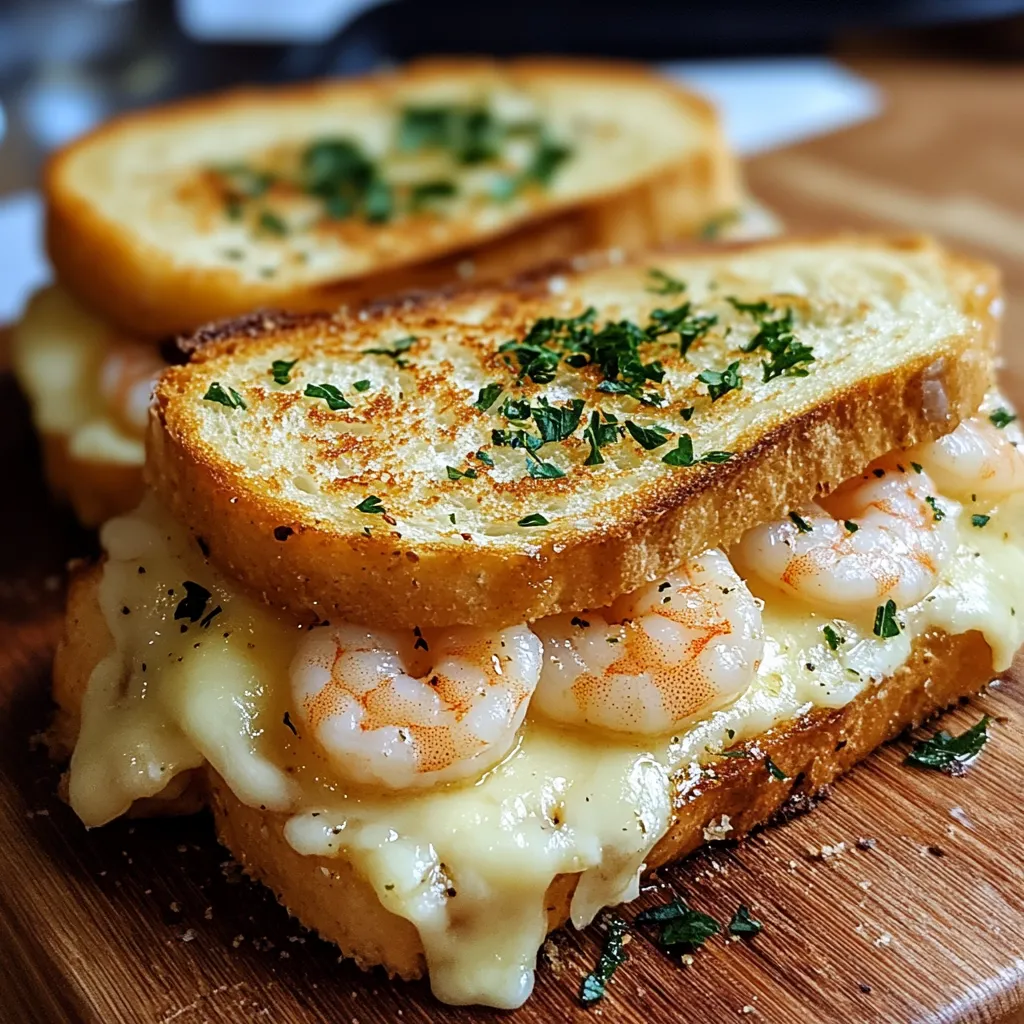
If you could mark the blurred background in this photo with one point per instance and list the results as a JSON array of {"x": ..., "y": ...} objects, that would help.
[{"x": 939, "y": 79}]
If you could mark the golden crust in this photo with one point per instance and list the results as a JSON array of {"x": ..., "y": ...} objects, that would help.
[
  {"x": 230, "y": 475},
  {"x": 328, "y": 895},
  {"x": 148, "y": 290}
]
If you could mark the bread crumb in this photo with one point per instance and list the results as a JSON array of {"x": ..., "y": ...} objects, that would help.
[
  {"x": 208, "y": 913},
  {"x": 188, "y": 935},
  {"x": 865, "y": 885},
  {"x": 553, "y": 955},
  {"x": 715, "y": 831},
  {"x": 866, "y": 843},
  {"x": 884, "y": 939},
  {"x": 686, "y": 959},
  {"x": 175, "y": 907},
  {"x": 826, "y": 851}
]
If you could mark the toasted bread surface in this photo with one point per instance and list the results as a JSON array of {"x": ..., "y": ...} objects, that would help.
[
  {"x": 410, "y": 504},
  {"x": 328, "y": 894},
  {"x": 140, "y": 225}
]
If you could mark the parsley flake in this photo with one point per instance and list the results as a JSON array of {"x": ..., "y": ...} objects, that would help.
[
  {"x": 938, "y": 511},
  {"x": 917, "y": 467},
  {"x": 330, "y": 394},
  {"x": 802, "y": 525},
  {"x": 832, "y": 637},
  {"x": 886, "y": 624},
  {"x": 660, "y": 283},
  {"x": 679, "y": 925},
  {"x": 362, "y": 385},
  {"x": 1001, "y": 418},
  {"x": 721, "y": 382},
  {"x": 979, "y": 520},
  {"x": 542, "y": 470},
  {"x": 599, "y": 434},
  {"x": 371, "y": 505},
  {"x": 459, "y": 474},
  {"x": 534, "y": 519},
  {"x": 648, "y": 438},
  {"x": 485, "y": 458},
  {"x": 556, "y": 423},
  {"x": 280, "y": 370},
  {"x": 851, "y": 526},
  {"x": 774, "y": 770},
  {"x": 396, "y": 351},
  {"x": 950, "y": 754},
  {"x": 613, "y": 955},
  {"x": 487, "y": 396},
  {"x": 271, "y": 224},
  {"x": 229, "y": 397},
  {"x": 743, "y": 924}
]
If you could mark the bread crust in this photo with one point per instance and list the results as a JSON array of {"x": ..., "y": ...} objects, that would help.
[
  {"x": 388, "y": 580},
  {"x": 146, "y": 292},
  {"x": 328, "y": 894}
]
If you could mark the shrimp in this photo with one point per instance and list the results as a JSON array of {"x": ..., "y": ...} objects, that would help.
[
  {"x": 127, "y": 376},
  {"x": 682, "y": 646},
  {"x": 378, "y": 723},
  {"x": 883, "y": 536},
  {"x": 975, "y": 462}
]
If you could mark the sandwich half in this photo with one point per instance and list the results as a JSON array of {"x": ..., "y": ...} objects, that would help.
[
  {"x": 315, "y": 195},
  {"x": 474, "y": 608}
]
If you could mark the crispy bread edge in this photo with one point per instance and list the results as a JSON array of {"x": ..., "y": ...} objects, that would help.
[
  {"x": 330, "y": 896},
  {"x": 145, "y": 292},
  {"x": 387, "y": 582}
]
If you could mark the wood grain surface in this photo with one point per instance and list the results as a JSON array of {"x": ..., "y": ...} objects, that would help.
[{"x": 150, "y": 921}]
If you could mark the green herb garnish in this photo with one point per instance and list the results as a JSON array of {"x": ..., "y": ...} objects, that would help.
[
  {"x": 485, "y": 458},
  {"x": 743, "y": 924},
  {"x": 660, "y": 283},
  {"x": 1001, "y": 418},
  {"x": 330, "y": 394},
  {"x": 534, "y": 519},
  {"x": 937, "y": 510},
  {"x": 556, "y": 423},
  {"x": 917, "y": 467},
  {"x": 271, "y": 224},
  {"x": 774, "y": 770},
  {"x": 230, "y": 397},
  {"x": 851, "y": 526},
  {"x": 832, "y": 637},
  {"x": 950, "y": 754},
  {"x": 371, "y": 505},
  {"x": 648, "y": 438},
  {"x": 397, "y": 349},
  {"x": 426, "y": 192},
  {"x": 979, "y": 520},
  {"x": 487, "y": 396},
  {"x": 613, "y": 955},
  {"x": 541, "y": 470},
  {"x": 679, "y": 925},
  {"x": 280, "y": 370},
  {"x": 598, "y": 435},
  {"x": 801, "y": 524},
  {"x": 721, "y": 382},
  {"x": 458, "y": 474},
  {"x": 681, "y": 321},
  {"x": 886, "y": 624},
  {"x": 361, "y": 385}
]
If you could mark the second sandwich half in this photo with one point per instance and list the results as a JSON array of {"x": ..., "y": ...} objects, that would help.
[{"x": 471, "y": 609}]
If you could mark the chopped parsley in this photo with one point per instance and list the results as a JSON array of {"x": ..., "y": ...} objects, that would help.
[
  {"x": 459, "y": 474},
  {"x": 743, "y": 924},
  {"x": 979, "y": 520},
  {"x": 396, "y": 351},
  {"x": 660, "y": 283},
  {"x": 686, "y": 413},
  {"x": 362, "y": 385},
  {"x": 280, "y": 370},
  {"x": 534, "y": 519},
  {"x": 426, "y": 192},
  {"x": 917, "y": 467},
  {"x": 950, "y": 754},
  {"x": 271, "y": 224},
  {"x": 851, "y": 526},
  {"x": 679, "y": 925},
  {"x": 541, "y": 470},
  {"x": 487, "y": 396},
  {"x": 556, "y": 423},
  {"x": 774, "y": 770},
  {"x": 938, "y": 511},
  {"x": 613, "y": 955},
  {"x": 886, "y": 624},
  {"x": 683, "y": 322},
  {"x": 485, "y": 458},
  {"x": 721, "y": 382},
  {"x": 786, "y": 356},
  {"x": 371, "y": 505},
  {"x": 1001, "y": 418},
  {"x": 801, "y": 524},
  {"x": 682, "y": 454},
  {"x": 330, "y": 394},
  {"x": 648, "y": 438},
  {"x": 599, "y": 434},
  {"x": 229, "y": 397},
  {"x": 193, "y": 605},
  {"x": 832, "y": 638}
]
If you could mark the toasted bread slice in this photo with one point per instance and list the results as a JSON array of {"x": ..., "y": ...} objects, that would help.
[
  {"x": 314, "y": 194},
  {"x": 414, "y": 501},
  {"x": 330, "y": 896}
]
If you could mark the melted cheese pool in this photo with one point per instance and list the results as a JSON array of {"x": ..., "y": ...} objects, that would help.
[{"x": 210, "y": 685}]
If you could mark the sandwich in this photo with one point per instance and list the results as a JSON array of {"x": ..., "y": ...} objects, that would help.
[
  {"x": 312, "y": 196},
  {"x": 474, "y": 608}
]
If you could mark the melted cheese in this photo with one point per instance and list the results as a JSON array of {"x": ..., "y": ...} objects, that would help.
[
  {"x": 174, "y": 693},
  {"x": 58, "y": 351}
]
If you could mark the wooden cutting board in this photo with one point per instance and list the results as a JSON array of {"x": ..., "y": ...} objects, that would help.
[{"x": 150, "y": 921}]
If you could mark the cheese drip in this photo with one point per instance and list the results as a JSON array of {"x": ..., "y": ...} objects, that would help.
[{"x": 468, "y": 865}]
